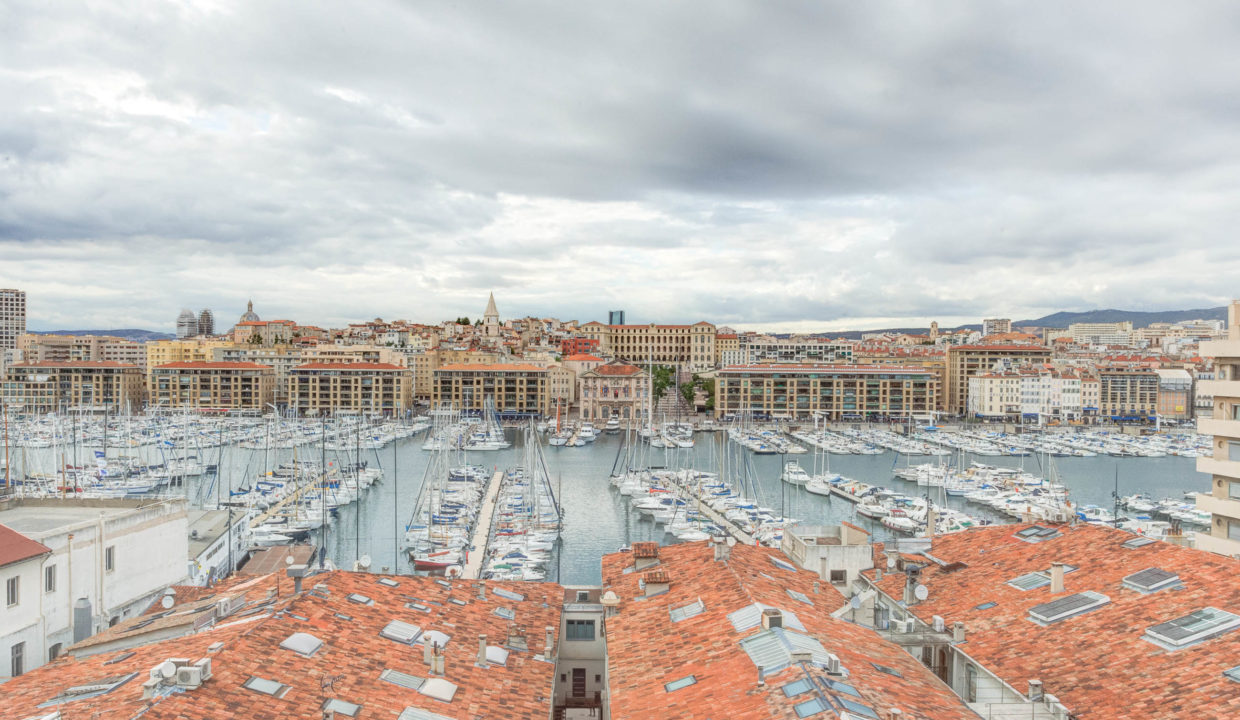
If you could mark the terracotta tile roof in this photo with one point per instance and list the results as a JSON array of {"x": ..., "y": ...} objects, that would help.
[
  {"x": 842, "y": 369},
  {"x": 346, "y": 667},
  {"x": 617, "y": 369},
  {"x": 1001, "y": 348},
  {"x": 272, "y": 559},
  {"x": 582, "y": 357},
  {"x": 355, "y": 366},
  {"x": 496, "y": 368},
  {"x": 15, "y": 547},
  {"x": 207, "y": 365},
  {"x": 647, "y": 650},
  {"x": 1096, "y": 663},
  {"x": 645, "y": 549}
]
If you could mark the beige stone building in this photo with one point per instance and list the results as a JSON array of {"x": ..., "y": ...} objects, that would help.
[
  {"x": 425, "y": 365},
  {"x": 965, "y": 361},
  {"x": 517, "y": 389},
  {"x": 90, "y": 348},
  {"x": 1127, "y": 394},
  {"x": 212, "y": 386},
  {"x": 837, "y": 392},
  {"x": 264, "y": 332},
  {"x": 163, "y": 352},
  {"x": 92, "y": 386},
  {"x": 329, "y": 388},
  {"x": 1223, "y": 467},
  {"x": 692, "y": 347},
  {"x": 615, "y": 388},
  {"x": 562, "y": 385},
  {"x": 281, "y": 358}
]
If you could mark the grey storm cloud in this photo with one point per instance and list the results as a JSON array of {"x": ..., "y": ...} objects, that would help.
[{"x": 760, "y": 164}]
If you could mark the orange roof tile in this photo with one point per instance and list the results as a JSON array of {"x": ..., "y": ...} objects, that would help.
[
  {"x": 86, "y": 364},
  {"x": 15, "y": 547},
  {"x": 208, "y": 365},
  {"x": 1097, "y": 663},
  {"x": 520, "y": 367},
  {"x": 354, "y": 366}
]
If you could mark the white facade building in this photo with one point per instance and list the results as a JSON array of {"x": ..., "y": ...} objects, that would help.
[{"x": 107, "y": 558}]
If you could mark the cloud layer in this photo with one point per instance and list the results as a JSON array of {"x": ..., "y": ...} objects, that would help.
[{"x": 755, "y": 164}]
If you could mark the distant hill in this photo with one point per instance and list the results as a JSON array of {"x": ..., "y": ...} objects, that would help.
[
  {"x": 1139, "y": 319},
  {"x": 127, "y": 333}
]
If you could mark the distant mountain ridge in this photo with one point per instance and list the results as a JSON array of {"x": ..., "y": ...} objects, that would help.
[{"x": 127, "y": 333}]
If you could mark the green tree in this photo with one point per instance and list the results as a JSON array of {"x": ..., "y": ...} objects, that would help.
[
  {"x": 660, "y": 381},
  {"x": 709, "y": 386},
  {"x": 686, "y": 391}
]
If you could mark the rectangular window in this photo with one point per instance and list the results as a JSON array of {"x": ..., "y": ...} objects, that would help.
[
  {"x": 1233, "y": 530},
  {"x": 109, "y": 558},
  {"x": 11, "y": 591},
  {"x": 1233, "y": 490},
  {"x": 17, "y": 659},
  {"x": 49, "y": 578},
  {"x": 579, "y": 630}
]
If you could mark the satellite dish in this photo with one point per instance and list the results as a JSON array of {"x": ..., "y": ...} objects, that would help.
[
  {"x": 364, "y": 562},
  {"x": 288, "y": 560},
  {"x": 167, "y": 601},
  {"x": 168, "y": 669},
  {"x": 920, "y": 592},
  {"x": 891, "y": 561},
  {"x": 855, "y": 602}
]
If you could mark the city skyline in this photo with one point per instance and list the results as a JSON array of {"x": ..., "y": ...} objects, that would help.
[{"x": 790, "y": 169}]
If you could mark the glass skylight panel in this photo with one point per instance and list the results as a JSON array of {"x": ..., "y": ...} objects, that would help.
[
  {"x": 856, "y": 708},
  {"x": 118, "y": 658},
  {"x": 506, "y": 613},
  {"x": 412, "y": 713},
  {"x": 1137, "y": 542},
  {"x": 1192, "y": 628},
  {"x": 457, "y": 601},
  {"x": 497, "y": 655},
  {"x": 418, "y": 606},
  {"x": 439, "y": 689},
  {"x": 1232, "y": 674},
  {"x": 681, "y": 683},
  {"x": 1036, "y": 533},
  {"x": 340, "y": 707},
  {"x": 688, "y": 611},
  {"x": 508, "y": 594},
  {"x": 360, "y": 599},
  {"x": 809, "y": 708},
  {"x": 796, "y": 595},
  {"x": 796, "y": 688},
  {"x": 1029, "y": 581},
  {"x": 839, "y": 687},
  {"x": 888, "y": 670},
  {"x": 401, "y": 632},
  {"x": 782, "y": 564},
  {"x": 303, "y": 644},
  {"x": 1151, "y": 580},
  {"x": 389, "y": 582},
  {"x": 266, "y": 687},
  {"x": 405, "y": 680},
  {"x": 1066, "y": 607},
  {"x": 96, "y": 688},
  {"x": 986, "y": 605},
  {"x": 750, "y": 617}
]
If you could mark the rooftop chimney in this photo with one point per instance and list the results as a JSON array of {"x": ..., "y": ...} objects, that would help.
[
  {"x": 1056, "y": 578},
  {"x": 437, "y": 659},
  {"x": 957, "y": 632},
  {"x": 656, "y": 581},
  {"x": 611, "y": 603},
  {"x": 482, "y": 650},
  {"x": 761, "y": 676},
  {"x": 549, "y": 650},
  {"x": 772, "y": 618},
  {"x": 1035, "y": 690},
  {"x": 723, "y": 548},
  {"x": 645, "y": 554},
  {"x": 482, "y": 590},
  {"x": 516, "y": 638}
]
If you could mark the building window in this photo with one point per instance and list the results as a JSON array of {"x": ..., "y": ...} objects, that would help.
[
  {"x": 839, "y": 576},
  {"x": 11, "y": 591},
  {"x": 579, "y": 630},
  {"x": 17, "y": 659},
  {"x": 109, "y": 558},
  {"x": 54, "y": 652},
  {"x": 970, "y": 683},
  {"x": 49, "y": 578},
  {"x": 1233, "y": 530}
]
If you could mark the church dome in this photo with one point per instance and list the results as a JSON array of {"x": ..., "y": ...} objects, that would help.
[{"x": 250, "y": 315}]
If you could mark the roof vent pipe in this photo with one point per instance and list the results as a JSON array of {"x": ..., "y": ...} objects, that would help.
[
  {"x": 1056, "y": 578},
  {"x": 761, "y": 676},
  {"x": 482, "y": 650}
]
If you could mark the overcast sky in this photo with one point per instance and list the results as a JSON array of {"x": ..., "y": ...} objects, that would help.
[{"x": 786, "y": 165}]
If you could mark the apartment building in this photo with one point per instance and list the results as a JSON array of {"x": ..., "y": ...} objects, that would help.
[
  {"x": 516, "y": 389},
  {"x": 65, "y": 348},
  {"x": 280, "y": 358},
  {"x": 324, "y": 388},
  {"x": 1127, "y": 394},
  {"x": 847, "y": 392},
  {"x": 264, "y": 332},
  {"x": 965, "y": 361},
  {"x": 795, "y": 351},
  {"x": 1033, "y": 393},
  {"x": 1175, "y": 393},
  {"x": 212, "y": 386},
  {"x": 996, "y": 326},
  {"x": 1223, "y": 500},
  {"x": 164, "y": 352},
  {"x": 1116, "y": 333},
  {"x": 43, "y": 387},
  {"x": 425, "y": 364},
  {"x": 12, "y": 317},
  {"x": 691, "y": 347}
]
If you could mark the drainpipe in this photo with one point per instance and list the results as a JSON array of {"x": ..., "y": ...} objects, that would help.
[{"x": 69, "y": 586}]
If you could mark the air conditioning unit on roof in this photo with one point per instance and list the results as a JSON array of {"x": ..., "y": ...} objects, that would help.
[
  {"x": 204, "y": 666},
  {"x": 904, "y": 626},
  {"x": 833, "y": 664},
  {"x": 189, "y": 677}
]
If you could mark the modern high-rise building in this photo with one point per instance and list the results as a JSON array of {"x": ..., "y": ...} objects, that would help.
[
  {"x": 187, "y": 324},
  {"x": 1223, "y": 500},
  {"x": 615, "y": 317},
  {"x": 206, "y": 322},
  {"x": 996, "y": 326},
  {"x": 12, "y": 317}
]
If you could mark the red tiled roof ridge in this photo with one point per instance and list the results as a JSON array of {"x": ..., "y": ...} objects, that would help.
[
  {"x": 212, "y": 365},
  {"x": 15, "y": 547}
]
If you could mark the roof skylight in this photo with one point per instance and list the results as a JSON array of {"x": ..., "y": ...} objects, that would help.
[
  {"x": 810, "y": 707},
  {"x": 1192, "y": 628},
  {"x": 1066, "y": 607},
  {"x": 508, "y": 594},
  {"x": 401, "y": 632},
  {"x": 681, "y": 683},
  {"x": 360, "y": 599},
  {"x": 1036, "y": 534},
  {"x": 1151, "y": 580},
  {"x": 1029, "y": 581},
  {"x": 405, "y": 680},
  {"x": 1137, "y": 542},
  {"x": 506, "y": 613},
  {"x": 266, "y": 687},
  {"x": 782, "y": 564},
  {"x": 795, "y": 595},
  {"x": 341, "y": 707},
  {"x": 439, "y": 689},
  {"x": 413, "y": 713},
  {"x": 688, "y": 611},
  {"x": 90, "y": 689},
  {"x": 497, "y": 655},
  {"x": 303, "y": 644},
  {"x": 796, "y": 688},
  {"x": 856, "y": 708}
]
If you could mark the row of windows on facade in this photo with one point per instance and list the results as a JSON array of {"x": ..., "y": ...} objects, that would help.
[{"x": 12, "y": 586}]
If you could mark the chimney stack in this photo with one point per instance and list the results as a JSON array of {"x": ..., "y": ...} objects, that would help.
[
  {"x": 428, "y": 656},
  {"x": 1035, "y": 690},
  {"x": 895, "y": 714},
  {"x": 482, "y": 651},
  {"x": 549, "y": 651},
  {"x": 761, "y": 676},
  {"x": 437, "y": 660},
  {"x": 1056, "y": 578},
  {"x": 957, "y": 632},
  {"x": 482, "y": 590}
]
